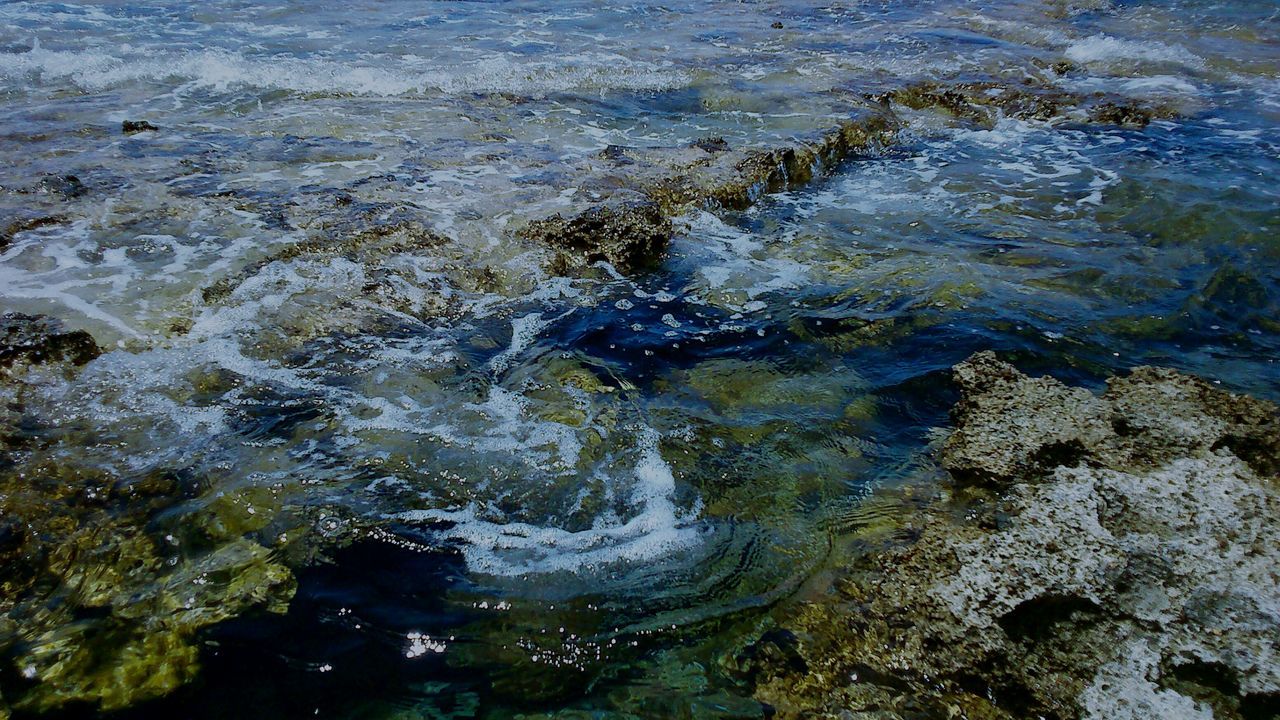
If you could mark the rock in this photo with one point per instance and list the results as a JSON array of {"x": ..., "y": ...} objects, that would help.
[
  {"x": 1124, "y": 566},
  {"x": 1015, "y": 428},
  {"x": 38, "y": 339},
  {"x": 23, "y": 224},
  {"x": 628, "y": 235},
  {"x": 1121, "y": 114},
  {"x": 635, "y": 190},
  {"x": 977, "y": 102},
  {"x": 146, "y": 645},
  {"x": 129, "y": 127},
  {"x": 68, "y": 186}
]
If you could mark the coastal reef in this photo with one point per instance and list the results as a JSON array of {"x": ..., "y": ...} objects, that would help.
[
  {"x": 634, "y": 192},
  {"x": 1099, "y": 556}
]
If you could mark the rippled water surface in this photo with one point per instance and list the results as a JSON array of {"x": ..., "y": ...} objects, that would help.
[{"x": 506, "y": 491}]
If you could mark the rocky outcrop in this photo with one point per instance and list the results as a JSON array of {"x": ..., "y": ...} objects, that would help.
[
  {"x": 981, "y": 103},
  {"x": 640, "y": 189},
  {"x": 633, "y": 190},
  {"x": 628, "y": 235},
  {"x": 130, "y": 127},
  {"x": 1106, "y": 556},
  {"x": 1014, "y": 428},
  {"x": 23, "y": 224},
  {"x": 38, "y": 339}
]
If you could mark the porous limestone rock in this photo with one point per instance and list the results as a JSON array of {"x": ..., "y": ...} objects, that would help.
[{"x": 1116, "y": 557}]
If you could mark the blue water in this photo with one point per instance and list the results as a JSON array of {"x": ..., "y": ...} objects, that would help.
[{"x": 502, "y": 491}]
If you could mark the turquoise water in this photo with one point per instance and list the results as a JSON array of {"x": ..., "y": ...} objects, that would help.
[{"x": 504, "y": 491}]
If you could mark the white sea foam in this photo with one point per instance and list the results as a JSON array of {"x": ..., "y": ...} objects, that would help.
[
  {"x": 222, "y": 70},
  {"x": 1112, "y": 51},
  {"x": 523, "y": 332},
  {"x": 658, "y": 529}
]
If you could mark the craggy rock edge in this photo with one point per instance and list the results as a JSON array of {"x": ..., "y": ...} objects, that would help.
[
  {"x": 1108, "y": 556},
  {"x": 631, "y": 226}
]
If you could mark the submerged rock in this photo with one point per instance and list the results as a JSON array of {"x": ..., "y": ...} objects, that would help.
[
  {"x": 66, "y": 186},
  {"x": 38, "y": 339},
  {"x": 1127, "y": 567},
  {"x": 98, "y": 607}
]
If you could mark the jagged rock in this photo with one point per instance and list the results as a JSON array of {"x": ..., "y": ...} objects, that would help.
[
  {"x": 1134, "y": 576},
  {"x": 1121, "y": 114},
  {"x": 640, "y": 189},
  {"x": 628, "y": 235},
  {"x": 978, "y": 102},
  {"x": 23, "y": 224},
  {"x": 1015, "y": 428},
  {"x": 39, "y": 339},
  {"x": 130, "y": 127}
]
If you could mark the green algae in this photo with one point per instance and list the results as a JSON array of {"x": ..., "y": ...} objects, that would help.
[{"x": 103, "y": 608}]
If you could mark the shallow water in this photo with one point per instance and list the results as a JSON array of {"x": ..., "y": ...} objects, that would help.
[{"x": 505, "y": 491}]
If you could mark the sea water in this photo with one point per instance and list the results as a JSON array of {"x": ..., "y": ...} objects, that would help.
[{"x": 505, "y": 490}]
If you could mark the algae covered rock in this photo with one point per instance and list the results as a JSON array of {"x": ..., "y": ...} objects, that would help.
[
  {"x": 146, "y": 646},
  {"x": 99, "y": 606},
  {"x": 1122, "y": 565}
]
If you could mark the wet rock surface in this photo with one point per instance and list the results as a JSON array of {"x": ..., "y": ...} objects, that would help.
[
  {"x": 627, "y": 235},
  {"x": 1105, "y": 556},
  {"x": 641, "y": 188},
  {"x": 130, "y": 127},
  {"x": 37, "y": 339},
  {"x": 25, "y": 222},
  {"x": 982, "y": 103},
  {"x": 634, "y": 191},
  {"x": 101, "y": 603}
]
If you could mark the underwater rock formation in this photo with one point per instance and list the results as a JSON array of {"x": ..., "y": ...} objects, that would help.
[{"x": 1116, "y": 559}]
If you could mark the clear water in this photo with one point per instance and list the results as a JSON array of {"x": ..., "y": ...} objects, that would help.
[{"x": 504, "y": 491}]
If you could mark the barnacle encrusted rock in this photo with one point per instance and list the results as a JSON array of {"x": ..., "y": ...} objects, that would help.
[{"x": 1118, "y": 559}]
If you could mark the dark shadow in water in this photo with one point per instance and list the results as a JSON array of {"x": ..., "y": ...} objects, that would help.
[{"x": 352, "y": 616}]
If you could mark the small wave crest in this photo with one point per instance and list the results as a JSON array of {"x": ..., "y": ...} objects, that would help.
[
  {"x": 222, "y": 70},
  {"x": 1109, "y": 51}
]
